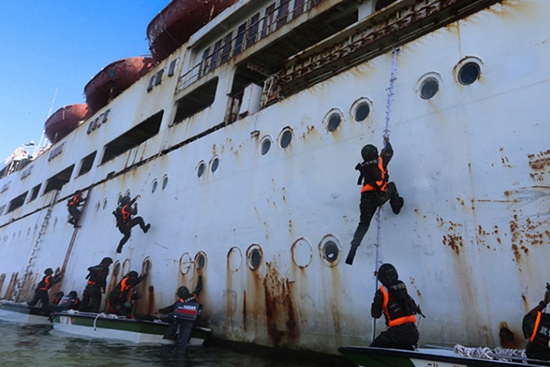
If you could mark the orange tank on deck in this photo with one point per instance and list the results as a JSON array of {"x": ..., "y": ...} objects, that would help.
[
  {"x": 65, "y": 120},
  {"x": 173, "y": 26},
  {"x": 114, "y": 79}
]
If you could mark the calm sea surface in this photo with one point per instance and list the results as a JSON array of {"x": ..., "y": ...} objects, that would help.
[{"x": 39, "y": 345}]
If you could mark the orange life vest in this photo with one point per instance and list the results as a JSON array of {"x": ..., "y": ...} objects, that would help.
[
  {"x": 398, "y": 320},
  {"x": 46, "y": 285},
  {"x": 126, "y": 212},
  {"x": 380, "y": 185},
  {"x": 75, "y": 200}
]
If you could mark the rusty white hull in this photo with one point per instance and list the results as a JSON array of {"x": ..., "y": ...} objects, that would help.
[{"x": 268, "y": 226}]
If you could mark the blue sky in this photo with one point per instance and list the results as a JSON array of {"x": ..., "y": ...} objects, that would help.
[{"x": 51, "y": 49}]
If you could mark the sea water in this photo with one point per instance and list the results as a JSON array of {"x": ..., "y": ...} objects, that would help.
[{"x": 41, "y": 346}]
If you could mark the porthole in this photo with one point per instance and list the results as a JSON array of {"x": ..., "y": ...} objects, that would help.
[
  {"x": 154, "y": 186},
  {"x": 104, "y": 204},
  {"x": 116, "y": 269},
  {"x": 254, "y": 256},
  {"x": 265, "y": 145},
  {"x": 127, "y": 193},
  {"x": 330, "y": 250},
  {"x": 333, "y": 119},
  {"x": 214, "y": 164},
  {"x": 234, "y": 259},
  {"x": 164, "y": 182},
  {"x": 360, "y": 109},
  {"x": 428, "y": 85},
  {"x": 302, "y": 253},
  {"x": 119, "y": 197},
  {"x": 146, "y": 267},
  {"x": 185, "y": 263},
  {"x": 201, "y": 168},
  {"x": 468, "y": 70},
  {"x": 286, "y": 137},
  {"x": 200, "y": 261},
  {"x": 97, "y": 206}
]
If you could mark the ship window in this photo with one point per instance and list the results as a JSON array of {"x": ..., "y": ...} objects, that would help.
[
  {"x": 298, "y": 7},
  {"x": 185, "y": 263},
  {"x": 283, "y": 13},
  {"x": 97, "y": 206},
  {"x": 147, "y": 265},
  {"x": 200, "y": 261},
  {"x": 200, "y": 169},
  {"x": 234, "y": 259},
  {"x": 469, "y": 73},
  {"x": 2, "y": 209},
  {"x": 151, "y": 81},
  {"x": 252, "y": 30},
  {"x": 17, "y": 202},
  {"x": 254, "y": 256},
  {"x": 286, "y": 137},
  {"x": 154, "y": 186},
  {"x": 265, "y": 145},
  {"x": 361, "y": 110},
  {"x": 164, "y": 182},
  {"x": 302, "y": 253},
  {"x": 172, "y": 67},
  {"x": 215, "y": 53},
  {"x": 134, "y": 137},
  {"x": 333, "y": 120},
  {"x": 226, "y": 47},
  {"x": 56, "y": 182},
  {"x": 158, "y": 78},
  {"x": 429, "y": 88},
  {"x": 239, "y": 39},
  {"x": 382, "y": 4},
  {"x": 214, "y": 163},
  {"x": 34, "y": 192},
  {"x": 104, "y": 204},
  {"x": 87, "y": 163},
  {"x": 268, "y": 20},
  {"x": 330, "y": 250},
  {"x": 116, "y": 269},
  {"x": 196, "y": 101},
  {"x": 205, "y": 61}
]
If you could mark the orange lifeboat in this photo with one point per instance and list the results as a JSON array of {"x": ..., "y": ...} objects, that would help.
[
  {"x": 173, "y": 26},
  {"x": 64, "y": 120},
  {"x": 114, "y": 79}
]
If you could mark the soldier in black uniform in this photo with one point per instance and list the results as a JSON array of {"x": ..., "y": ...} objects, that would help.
[
  {"x": 41, "y": 291},
  {"x": 97, "y": 282},
  {"x": 536, "y": 328}
]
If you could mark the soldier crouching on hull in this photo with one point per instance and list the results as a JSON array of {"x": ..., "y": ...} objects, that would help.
[
  {"x": 125, "y": 221},
  {"x": 375, "y": 190},
  {"x": 41, "y": 291},
  {"x": 68, "y": 302},
  {"x": 122, "y": 296},
  {"x": 184, "y": 313},
  {"x": 97, "y": 281},
  {"x": 536, "y": 328},
  {"x": 399, "y": 309}
]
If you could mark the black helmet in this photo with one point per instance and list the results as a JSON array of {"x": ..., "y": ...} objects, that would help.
[
  {"x": 125, "y": 200},
  {"x": 387, "y": 274},
  {"x": 132, "y": 274},
  {"x": 369, "y": 152},
  {"x": 59, "y": 294},
  {"x": 73, "y": 294},
  {"x": 183, "y": 292},
  {"x": 107, "y": 260},
  {"x": 48, "y": 271}
]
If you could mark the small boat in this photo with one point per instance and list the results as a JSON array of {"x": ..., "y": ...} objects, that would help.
[
  {"x": 114, "y": 79},
  {"x": 173, "y": 26},
  {"x": 459, "y": 356},
  {"x": 109, "y": 326},
  {"x": 22, "y": 313},
  {"x": 64, "y": 120}
]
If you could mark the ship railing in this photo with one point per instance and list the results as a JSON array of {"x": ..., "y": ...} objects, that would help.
[{"x": 245, "y": 36}]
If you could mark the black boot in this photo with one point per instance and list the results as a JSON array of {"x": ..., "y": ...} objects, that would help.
[
  {"x": 119, "y": 249},
  {"x": 351, "y": 255},
  {"x": 396, "y": 204},
  {"x": 146, "y": 228}
]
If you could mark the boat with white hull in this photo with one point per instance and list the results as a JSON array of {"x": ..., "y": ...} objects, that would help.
[
  {"x": 242, "y": 142},
  {"x": 22, "y": 313}
]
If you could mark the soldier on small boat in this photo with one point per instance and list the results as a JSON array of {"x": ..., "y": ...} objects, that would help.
[
  {"x": 73, "y": 205},
  {"x": 399, "y": 309},
  {"x": 41, "y": 291},
  {"x": 536, "y": 328},
  {"x": 125, "y": 219},
  {"x": 68, "y": 302},
  {"x": 375, "y": 190},
  {"x": 122, "y": 297},
  {"x": 97, "y": 281}
]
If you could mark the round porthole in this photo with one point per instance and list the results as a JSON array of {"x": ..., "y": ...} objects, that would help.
[
  {"x": 468, "y": 70},
  {"x": 330, "y": 250},
  {"x": 214, "y": 164},
  {"x": 333, "y": 119},
  {"x": 104, "y": 203},
  {"x": 302, "y": 253},
  {"x": 201, "y": 168},
  {"x": 116, "y": 269},
  {"x": 254, "y": 256},
  {"x": 286, "y": 137},
  {"x": 185, "y": 263},
  {"x": 428, "y": 85},
  {"x": 265, "y": 145},
  {"x": 146, "y": 267},
  {"x": 97, "y": 206},
  {"x": 154, "y": 186},
  {"x": 234, "y": 259},
  {"x": 200, "y": 261},
  {"x": 164, "y": 182},
  {"x": 361, "y": 110}
]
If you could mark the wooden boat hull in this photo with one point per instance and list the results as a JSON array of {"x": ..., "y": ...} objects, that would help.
[
  {"x": 120, "y": 328},
  {"x": 114, "y": 79},
  {"x": 383, "y": 357},
  {"x": 173, "y": 26},
  {"x": 21, "y": 313},
  {"x": 65, "y": 120}
]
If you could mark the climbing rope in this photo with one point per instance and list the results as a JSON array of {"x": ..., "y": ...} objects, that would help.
[
  {"x": 500, "y": 354},
  {"x": 386, "y": 134}
]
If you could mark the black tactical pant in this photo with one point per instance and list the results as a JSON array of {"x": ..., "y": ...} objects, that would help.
[
  {"x": 91, "y": 299},
  {"x": 398, "y": 337},
  {"x": 127, "y": 231},
  {"x": 42, "y": 296}
]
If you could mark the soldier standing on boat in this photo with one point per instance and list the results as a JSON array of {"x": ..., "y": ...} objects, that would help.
[
  {"x": 375, "y": 190},
  {"x": 124, "y": 221},
  {"x": 122, "y": 296},
  {"x": 41, "y": 291},
  {"x": 536, "y": 328},
  {"x": 73, "y": 205},
  {"x": 97, "y": 281},
  {"x": 399, "y": 309}
]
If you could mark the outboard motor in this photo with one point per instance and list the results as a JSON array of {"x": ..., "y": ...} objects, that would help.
[{"x": 185, "y": 315}]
